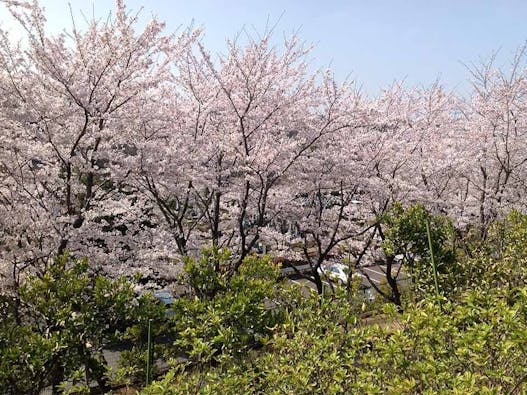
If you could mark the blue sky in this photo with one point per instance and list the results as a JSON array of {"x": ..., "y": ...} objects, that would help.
[{"x": 374, "y": 42}]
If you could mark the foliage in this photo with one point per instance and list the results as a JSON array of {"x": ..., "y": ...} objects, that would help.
[
  {"x": 471, "y": 346},
  {"x": 406, "y": 236},
  {"x": 207, "y": 275},
  {"x": 239, "y": 315},
  {"x": 132, "y": 362},
  {"x": 26, "y": 357},
  {"x": 58, "y": 326},
  {"x": 501, "y": 260}
]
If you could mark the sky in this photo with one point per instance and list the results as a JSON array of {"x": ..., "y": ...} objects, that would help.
[{"x": 372, "y": 42}]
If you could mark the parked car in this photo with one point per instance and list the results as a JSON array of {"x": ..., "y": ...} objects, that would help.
[
  {"x": 336, "y": 272},
  {"x": 165, "y": 297}
]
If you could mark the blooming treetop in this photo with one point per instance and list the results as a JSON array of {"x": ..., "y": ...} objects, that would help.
[{"x": 136, "y": 147}]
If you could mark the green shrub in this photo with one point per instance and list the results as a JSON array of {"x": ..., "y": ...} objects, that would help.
[
  {"x": 225, "y": 317},
  {"x": 57, "y": 328}
]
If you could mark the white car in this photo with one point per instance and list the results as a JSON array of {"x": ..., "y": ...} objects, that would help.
[{"x": 336, "y": 272}]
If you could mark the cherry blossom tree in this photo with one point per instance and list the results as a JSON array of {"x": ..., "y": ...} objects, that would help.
[
  {"x": 250, "y": 117},
  {"x": 400, "y": 155},
  {"x": 137, "y": 148},
  {"x": 73, "y": 107},
  {"x": 493, "y": 147}
]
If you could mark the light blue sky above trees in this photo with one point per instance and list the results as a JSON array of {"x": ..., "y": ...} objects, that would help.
[{"x": 373, "y": 42}]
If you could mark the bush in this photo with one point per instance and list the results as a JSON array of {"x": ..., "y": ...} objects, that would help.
[
  {"x": 226, "y": 316},
  {"x": 472, "y": 345},
  {"x": 57, "y": 328},
  {"x": 406, "y": 235}
]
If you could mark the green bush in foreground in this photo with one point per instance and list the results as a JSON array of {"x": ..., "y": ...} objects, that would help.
[
  {"x": 57, "y": 328},
  {"x": 225, "y": 315},
  {"x": 474, "y": 345}
]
